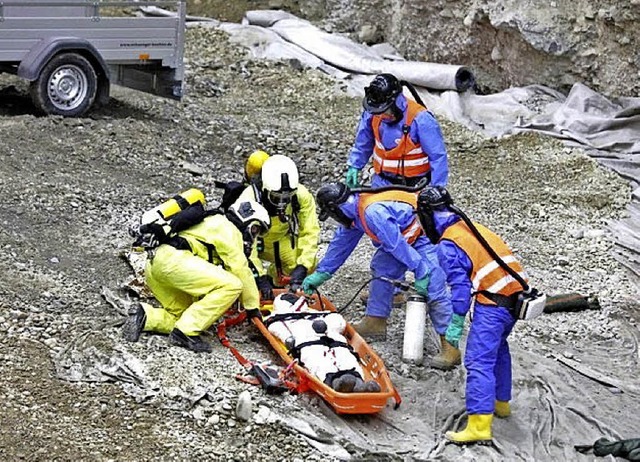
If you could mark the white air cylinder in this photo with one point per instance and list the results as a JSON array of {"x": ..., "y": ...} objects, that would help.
[{"x": 414, "y": 326}]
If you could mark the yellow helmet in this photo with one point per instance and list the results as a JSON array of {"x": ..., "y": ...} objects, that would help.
[{"x": 254, "y": 163}]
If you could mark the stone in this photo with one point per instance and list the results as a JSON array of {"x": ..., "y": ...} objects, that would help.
[{"x": 244, "y": 407}]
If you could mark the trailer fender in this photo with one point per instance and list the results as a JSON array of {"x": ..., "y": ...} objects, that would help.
[{"x": 35, "y": 60}]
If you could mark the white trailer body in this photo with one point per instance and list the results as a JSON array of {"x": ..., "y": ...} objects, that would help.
[{"x": 72, "y": 50}]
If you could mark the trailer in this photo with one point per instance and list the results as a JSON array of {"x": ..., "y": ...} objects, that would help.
[{"x": 71, "y": 51}]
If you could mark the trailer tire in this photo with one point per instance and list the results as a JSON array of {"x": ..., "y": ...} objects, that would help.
[{"x": 67, "y": 86}]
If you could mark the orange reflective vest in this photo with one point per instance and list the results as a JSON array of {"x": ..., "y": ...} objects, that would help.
[
  {"x": 486, "y": 274},
  {"x": 407, "y": 158},
  {"x": 411, "y": 232}
]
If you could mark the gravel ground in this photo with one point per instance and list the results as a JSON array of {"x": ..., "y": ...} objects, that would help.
[{"x": 72, "y": 389}]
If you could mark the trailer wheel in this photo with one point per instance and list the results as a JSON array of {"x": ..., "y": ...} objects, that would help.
[{"x": 67, "y": 86}]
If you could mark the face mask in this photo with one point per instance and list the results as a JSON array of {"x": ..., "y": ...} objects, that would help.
[
  {"x": 249, "y": 236},
  {"x": 429, "y": 226},
  {"x": 340, "y": 217}
]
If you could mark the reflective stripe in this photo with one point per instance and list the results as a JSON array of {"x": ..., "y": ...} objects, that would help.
[
  {"x": 417, "y": 150},
  {"x": 379, "y": 145},
  {"x": 396, "y": 163},
  {"x": 504, "y": 282},
  {"x": 488, "y": 268},
  {"x": 413, "y": 232}
]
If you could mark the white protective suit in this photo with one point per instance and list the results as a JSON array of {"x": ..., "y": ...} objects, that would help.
[{"x": 320, "y": 360}]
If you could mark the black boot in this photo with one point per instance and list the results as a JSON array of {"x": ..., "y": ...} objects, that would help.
[
  {"x": 191, "y": 342},
  {"x": 133, "y": 326}
]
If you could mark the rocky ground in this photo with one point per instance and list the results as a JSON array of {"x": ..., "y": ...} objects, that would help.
[{"x": 72, "y": 389}]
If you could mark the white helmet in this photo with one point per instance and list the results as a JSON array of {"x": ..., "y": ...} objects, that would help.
[
  {"x": 251, "y": 218},
  {"x": 279, "y": 180}
]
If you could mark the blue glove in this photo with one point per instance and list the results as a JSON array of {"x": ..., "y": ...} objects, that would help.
[
  {"x": 352, "y": 177},
  {"x": 314, "y": 280},
  {"x": 421, "y": 285},
  {"x": 454, "y": 331}
]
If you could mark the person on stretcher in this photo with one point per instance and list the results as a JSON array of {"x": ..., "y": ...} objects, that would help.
[{"x": 315, "y": 339}]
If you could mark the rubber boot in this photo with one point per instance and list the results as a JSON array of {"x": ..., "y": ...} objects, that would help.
[
  {"x": 448, "y": 358},
  {"x": 502, "y": 409},
  {"x": 344, "y": 384},
  {"x": 134, "y": 325},
  {"x": 478, "y": 430},
  {"x": 192, "y": 342},
  {"x": 372, "y": 328},
  {"x": 370, "y": 386}
]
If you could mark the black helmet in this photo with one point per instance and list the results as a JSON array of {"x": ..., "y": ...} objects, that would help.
[
  {"x": 434, "y": 197},
  {"x": 381, "y": 93},
  {"x": 329, "y": 197}
]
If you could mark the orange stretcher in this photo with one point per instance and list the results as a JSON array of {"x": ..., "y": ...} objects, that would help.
[{"x": 372, "y": 365}]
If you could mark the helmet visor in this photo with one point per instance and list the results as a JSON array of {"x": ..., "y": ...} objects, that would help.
[
  {"x": 374, "y": 105},
  {"x": 256, "y": 229},
  {"x": 280, "y": 198}
]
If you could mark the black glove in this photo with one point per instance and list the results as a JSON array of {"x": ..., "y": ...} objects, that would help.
[
  {"x": 254, "y": 313},
  {"x": 265, "y": 286},
  {"x": 297, "y": 276}
]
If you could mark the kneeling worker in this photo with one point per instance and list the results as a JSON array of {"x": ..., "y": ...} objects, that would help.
[{"x": 198, "y": 274}]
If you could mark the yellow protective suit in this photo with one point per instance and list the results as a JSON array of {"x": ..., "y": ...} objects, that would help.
[
  {"x": 194, "y": 292},
  {"x": 305, "y": 236}
]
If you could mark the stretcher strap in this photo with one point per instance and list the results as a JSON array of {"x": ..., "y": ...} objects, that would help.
[
  {"x": 222, "y": 336},
  {"x": 325, "y": 341},
  {"x": 291, "y": 316}
]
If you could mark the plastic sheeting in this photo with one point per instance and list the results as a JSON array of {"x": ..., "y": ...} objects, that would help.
[{"x": 343, "y": 53}]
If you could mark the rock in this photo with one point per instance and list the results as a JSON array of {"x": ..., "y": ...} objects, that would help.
[{"x": 244, "y": 407}]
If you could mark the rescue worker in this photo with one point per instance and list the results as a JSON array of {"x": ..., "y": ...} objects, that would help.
[
  {"x": 403, "y": 137},
  {"x": 291, "y": 244},
  {"x": 233, "y": 189},
  {"x": 389, "y": 219},
  {"x": 472, "y": 273},
  {"x": 198, "y": 274}
]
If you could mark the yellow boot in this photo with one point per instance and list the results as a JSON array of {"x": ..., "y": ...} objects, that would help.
[
  {"x": 478, "y": 430},
  {"x": 448, "y": 358},
  {"x": 372, "y": 328},
  {"x": 503, "y": 409}
]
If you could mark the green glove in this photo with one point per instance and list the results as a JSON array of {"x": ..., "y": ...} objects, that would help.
[
  {"x": 352, "y": 177},
  {"x": 454, "y": 331},
  {"x": 421, "y": 285},
  {"x": 314, "y": 280}
]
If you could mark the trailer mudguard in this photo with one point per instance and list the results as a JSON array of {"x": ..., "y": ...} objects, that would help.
[{"x": 33, "y": 62}]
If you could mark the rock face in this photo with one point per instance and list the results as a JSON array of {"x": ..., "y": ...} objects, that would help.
[{"x": 506, "y": 42}]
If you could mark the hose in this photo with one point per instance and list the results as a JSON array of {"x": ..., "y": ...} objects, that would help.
[{"x": 402, "y": 285}]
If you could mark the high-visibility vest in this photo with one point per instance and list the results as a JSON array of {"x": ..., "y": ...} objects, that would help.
[
  {"x": 486, "y": 274},
  {"x": 411, "y": 232},
  {"x": 407, "y": 158}
]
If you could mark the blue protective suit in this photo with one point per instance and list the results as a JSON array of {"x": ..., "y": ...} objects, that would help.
[
  {"x": 487, "y": 357},
  {"x": 424, "y": 130},
  {"x": 392, "y": 258}
]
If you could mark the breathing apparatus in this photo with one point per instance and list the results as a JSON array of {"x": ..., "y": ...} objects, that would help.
[
  {"x": 169, "y": 208},
  {"x": 169, "y": 217},
  {"x": 251, "y": 219},
  {"x": 530, "y": 302}
]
